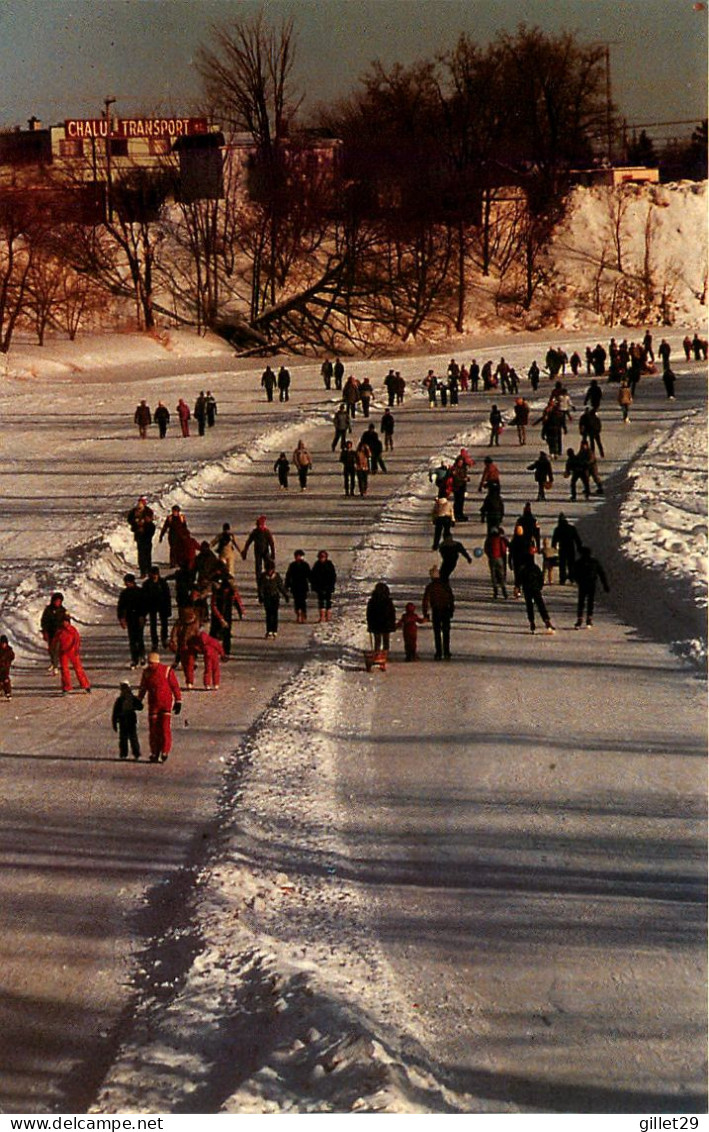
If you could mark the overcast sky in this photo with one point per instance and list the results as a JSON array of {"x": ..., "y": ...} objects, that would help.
[{"x": 62, "y": 58}]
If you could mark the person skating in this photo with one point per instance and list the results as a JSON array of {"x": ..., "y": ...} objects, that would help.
[
  {"x": 363, "y": 463},
  {"x": 297, "y": 582},
  {"x": 438, "y": 604},
  {"x": 268, "y": 382},
  {"x": 159, "y": 684},
  {"x": 225, "y": 599},
  {"x": 381, "y": 617},
  {"x": 588, "y": 571},
  {"x": 157, "y": 603},
  {"x": 283, "y": 382},
  {"x": 143, "y": 419},
  {"x": 532, "y": 581},
  {"x": 68, "y": 650},
  {"x": 492, "y": 511},
  {"x": 495, "y": 419},
  {"x": 53, "y": 615},
  {"x": 323, "y": 578},
  {"x": 179, "y": 539},
  {"x": 543, "y": 474},
  {"x": 124, "y": 720},
  {"x": 566, "y": 541},
  {"x": 200, "y": 412},
  {"x": 302, "y": 462},
  {"x": 521, "y": 419},
  {"x": 496, "y": 549},
  {"x": 590, "y": 426},
  {"x": 184, "y": 416},
  {"x": 213, "y": 652},
  {"x": 7, "y": 657},
  {"x": 490, "y": 474},
  {"x": 338, "y": 373},
  {"x": 282, "y": 469},
  {"x": 343, "y": 425},
  {"x": 459, "y": 475},
  {"x": 408, "y": 623},
  {"x": 130, "y": 612},
  {"x": 326, "y": 370},
  {"x": 161, "y": 416},
  {"x": 450, "y": 551},
  {"x": 443, "y": 518},
  {"x": 371, "y": 438},
  {"x": 576, "y": 469},
  {"x": 226, "y": 548},
  {"x": 211, "y": 403},
  {"x": 386, "y": 427},
  {"x": 141, "y": 521},
  {"x": 271, "y": 589},
  {"x": 184, "y": 642},
  {"x": 530, "y": 527},
  {"x": 366, "y": 393},
  {"x": 668, "y": 380},
  {"x": 348, "y": 459},
  {"x": 625, "y": 400},
  {"x": 263, "y": 544}
]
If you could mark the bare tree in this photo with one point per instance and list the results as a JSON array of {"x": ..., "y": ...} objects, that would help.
[{"x": 23, "y": 227}]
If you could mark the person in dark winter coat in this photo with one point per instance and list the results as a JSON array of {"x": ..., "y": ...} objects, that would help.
[
  {"x": 576, "y": 470},
  {"x": 143, "y": 419},
  {"x": 438, "y": 603},
  {"x": 543, "y": 474},
  {"x": 131, "y": 615},
  {"x": 450, "y": 551},
  {"x": 298, "y": 584},
  {"x": 381, "y": 616},
  {"x": 594, "y": 395},
  {"x": 7, "y": 657},
  {"x": 282, "y": 469},
  {"x": 179, "y": 539},
  {"x": 492, "y": 511},
  {"x": 53, "y": 615},
  {"x": 141, "y": 521},
  {"x": 271, "y": 589},
  {"x": 200, "y": 412},
  {"x": 268, "y": 382},
  {"x": 264, "y": 546},
  {"x": 588, "y": 571},
  {"x": 211, "y": 403},
  {"x": 495, "y": 419},
  {"x": 207, "y": 568},
  {"x": 323, "y": 578},
  {"x": 283, "y": 382},
  {"x": 161, "y": 416},
  {"x": 124, "y": 720},
  {"x": 590, "y": 428},
  {"x": 409, "y": 623},
  {"x": 566, "y": 541},
  {"x": 386, "y": 427},
  {"x": 668, "y": 380},
  {"x": 371, "y": 438},
  {"x": 157, "y": 604},
  {"x": 348, "y": 459},
  {"x": 159, "y": 684},
  {"x": 225, "y": 598},
  {"x": 529, "y": 525},
  {"x": 532, "y": 580}
]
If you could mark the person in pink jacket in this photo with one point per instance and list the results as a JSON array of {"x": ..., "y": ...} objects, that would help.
[
  {"x": 67, "y": 643},
  {"x": 159, "y": 684},
  {"x": 213, "y": 652}
]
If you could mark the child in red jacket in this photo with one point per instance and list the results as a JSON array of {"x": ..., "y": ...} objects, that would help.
[
  {"x": 409, "y": 623},
  {"x": 213, "y": 652}
]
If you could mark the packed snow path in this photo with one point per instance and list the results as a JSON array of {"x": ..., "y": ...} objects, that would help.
[{"x": 492, "y": 868}]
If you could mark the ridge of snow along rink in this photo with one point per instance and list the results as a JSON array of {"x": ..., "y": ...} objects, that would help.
[{"x": 289, "y": 968}]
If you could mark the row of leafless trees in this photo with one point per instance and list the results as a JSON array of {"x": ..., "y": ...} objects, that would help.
[{"x": 450, "y": 169}]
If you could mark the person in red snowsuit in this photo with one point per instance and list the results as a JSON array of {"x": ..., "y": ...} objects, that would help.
[
  {"x": 213, "y": 652},
  {"x": 159, "y": 684},
  {"x": 183, "y": 412},
  {"x": 67, "y": 643}
]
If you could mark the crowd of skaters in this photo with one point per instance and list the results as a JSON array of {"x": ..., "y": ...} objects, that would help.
[
  {"x": 203, "y": 413},
  {"x": 203, "y": 575}
]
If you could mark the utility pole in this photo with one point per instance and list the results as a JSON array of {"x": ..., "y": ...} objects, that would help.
[{"x": 108, "y": 102}]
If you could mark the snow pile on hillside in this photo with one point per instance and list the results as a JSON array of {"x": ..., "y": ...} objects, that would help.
[
  {"x": 632, "y": 255},
  {"x": 663, "y": 520}
]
